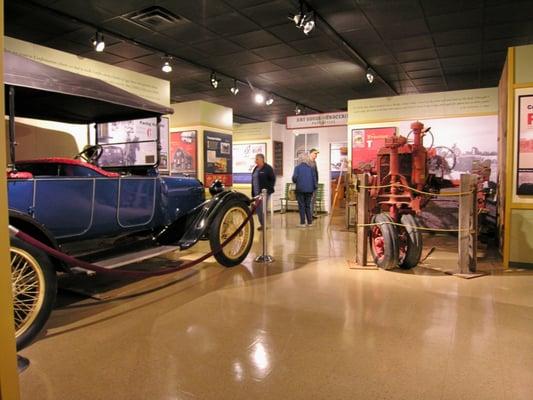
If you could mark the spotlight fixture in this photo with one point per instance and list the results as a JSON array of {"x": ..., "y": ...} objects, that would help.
[
  {"x": 214, "y": 80},
  {"x": 234, "y": 89},
  {"x": 309, "y": 23},
  {"x": 98, "y": 42},
  {"x": 303, "y": 20},
  {"x": 370, "y": 75},
  {"x": 297, "y": 110},
  {"x": 269, "y": 100},
  {"x": 259, "y": 98},
  {"x": 166, "y": 64}
]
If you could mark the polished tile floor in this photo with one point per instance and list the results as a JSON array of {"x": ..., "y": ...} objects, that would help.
[{"x": 304, "y": 327}]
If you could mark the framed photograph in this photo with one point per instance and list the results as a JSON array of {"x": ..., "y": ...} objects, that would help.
[
  {"x": 183, "y": 152},
  {"x": 524, "y": 184},
  {"x": 278, "y": 158}
]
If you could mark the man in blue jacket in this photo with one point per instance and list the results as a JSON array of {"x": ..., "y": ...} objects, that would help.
[
  {"x": 306, "y": 181},
  {"x": 263, "y": 177}
]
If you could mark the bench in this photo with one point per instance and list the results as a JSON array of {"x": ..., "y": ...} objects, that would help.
[{"x": 289, "y": 198}]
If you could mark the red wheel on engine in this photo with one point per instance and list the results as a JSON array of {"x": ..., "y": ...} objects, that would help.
[{"x": 384, "y": 242}]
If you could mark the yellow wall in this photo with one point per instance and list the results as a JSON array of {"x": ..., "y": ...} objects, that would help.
[
  {"x": 518, "y": 245},
  {"x": 9, "y": 382},
  {"x": 201, "y": 116}
]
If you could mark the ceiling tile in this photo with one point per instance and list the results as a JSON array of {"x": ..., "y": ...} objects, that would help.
[
  {"x": 275, "y": 51},
  {"x": 458, "y": 37},
  {"x": 230, "y": 24},
  {"x": 217, "y": 47},
  {"x": 313, "y": 45},
  {"x": 127, "y": 50},
  {"x": 251, "y": 40}
]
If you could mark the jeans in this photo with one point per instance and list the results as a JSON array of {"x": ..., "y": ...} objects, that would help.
[
  {"x": 259, "y": 211},
  {"x": 304, "y": 206}
]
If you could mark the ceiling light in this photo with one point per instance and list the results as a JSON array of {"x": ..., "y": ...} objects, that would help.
[
  {"x": 303, "y": 20},
  {"x": 166, "y": 65},
  {"x": 234, "y": 89},
  {"x": 370, "y": 75},
  {"x": 259, "y": 98},
  {"x": 98, "y": 42},
  {"x": 309, "y": 25},
  {"x": 270, "y": 100},
  {"x": 214, "y": 80},
  {"x": 298, "y": 110}
]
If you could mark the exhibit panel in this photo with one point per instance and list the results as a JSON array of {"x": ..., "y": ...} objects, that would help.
[
  {"x": 518, "y": 218},
  {"x": 262, "y": 137},
  {"x": 462, "y": 138}
]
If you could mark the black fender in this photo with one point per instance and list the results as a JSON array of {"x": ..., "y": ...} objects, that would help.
[
  {"x": 30, "y": 226},
  {"x": 195, "y": 226}
]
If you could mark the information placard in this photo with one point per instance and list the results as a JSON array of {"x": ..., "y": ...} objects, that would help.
[
  {"x": 244, "y": 160},
  {"x": 217, "y": 158}
]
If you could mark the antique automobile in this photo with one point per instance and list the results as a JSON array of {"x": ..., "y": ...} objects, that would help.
[{"x": 107, "y": 217}]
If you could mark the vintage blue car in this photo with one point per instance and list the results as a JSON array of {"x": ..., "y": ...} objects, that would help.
[{"x": 110, "y": 218}]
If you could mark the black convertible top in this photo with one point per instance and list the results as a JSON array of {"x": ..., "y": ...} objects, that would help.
[{"x": 49, "y": 93}]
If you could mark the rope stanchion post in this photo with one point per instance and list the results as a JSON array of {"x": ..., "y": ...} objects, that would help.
[
  {"x": 468, "y": 226},
  {"x": 264, "y": 257},
  {"x": 361, "y": 251}
]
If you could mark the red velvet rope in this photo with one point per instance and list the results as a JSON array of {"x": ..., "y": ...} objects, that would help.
[{"x": 96, "y": 268}]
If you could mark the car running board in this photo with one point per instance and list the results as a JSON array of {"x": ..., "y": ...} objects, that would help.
[{"x": 131, "y": 258}]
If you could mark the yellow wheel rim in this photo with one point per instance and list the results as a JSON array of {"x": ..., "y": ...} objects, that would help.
[
  {"x": 28, "y": 284},
  {"x": 233, "y": 218}
]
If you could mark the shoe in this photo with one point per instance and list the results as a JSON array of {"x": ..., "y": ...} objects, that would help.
[
  {"x": 301, "y": 225},
  {"x": 310, "y": 225}
]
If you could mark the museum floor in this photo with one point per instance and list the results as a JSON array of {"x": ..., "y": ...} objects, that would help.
[{"x": 305, "y": 327}]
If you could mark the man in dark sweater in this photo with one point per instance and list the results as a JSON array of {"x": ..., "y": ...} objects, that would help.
[{"x": 263, "y": 177}]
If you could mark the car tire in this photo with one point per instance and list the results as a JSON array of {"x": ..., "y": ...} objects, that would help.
[
  {"x": 34, "y": 284},
  {"x": 410, "y": 242},
  {"x": 227, "y": 220},
  {"x": 384, "y": 242}
]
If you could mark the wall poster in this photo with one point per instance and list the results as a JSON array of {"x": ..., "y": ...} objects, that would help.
[
  {"x": 365, "y": 146},
  {"x": 525, "y": 145},
  {"x": 278, "y": 158},
  {"x": 217, "y": 158},
  {"x": 244, "y": 160},
  {"x": 130, "y": 143},
  {"x": 183, "y": 152}
]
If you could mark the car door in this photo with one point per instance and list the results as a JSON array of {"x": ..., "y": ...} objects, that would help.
[{"x": 64, "y": 205}]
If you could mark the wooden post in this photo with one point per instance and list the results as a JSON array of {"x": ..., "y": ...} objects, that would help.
[
  {"x": 468, "y": 225},
  {"x": 362, "y": 218}
]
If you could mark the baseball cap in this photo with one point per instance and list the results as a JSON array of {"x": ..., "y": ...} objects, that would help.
[{"x": 313, "y": 150}]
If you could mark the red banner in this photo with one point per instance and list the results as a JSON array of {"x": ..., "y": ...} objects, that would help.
[
  {"x": 226, "y": 179},
  {"x": 365, "y": 146}
]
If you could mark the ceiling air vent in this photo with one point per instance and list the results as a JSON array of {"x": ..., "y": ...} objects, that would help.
[{"x": 155, "y": 17}]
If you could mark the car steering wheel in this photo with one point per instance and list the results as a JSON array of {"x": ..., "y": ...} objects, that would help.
[{"x": 90, "y": 154}]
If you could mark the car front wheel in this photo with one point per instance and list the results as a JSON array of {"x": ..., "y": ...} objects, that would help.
[
  {"x": 227, "y": 221},
  {"x": 34, "y": 285}
]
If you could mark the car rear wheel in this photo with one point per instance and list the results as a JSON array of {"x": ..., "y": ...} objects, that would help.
[
  {"x": 34, "y": 285},
  {"x": 227, "y": 221}
]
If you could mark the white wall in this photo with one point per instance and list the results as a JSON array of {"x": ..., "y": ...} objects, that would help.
[{"x": 326, "y": 136}]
